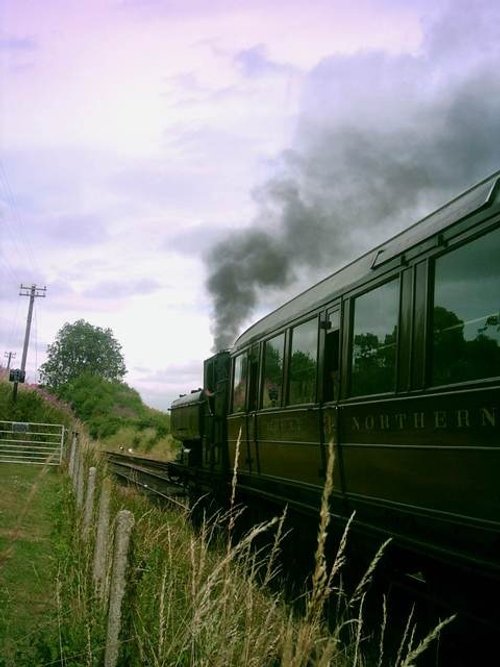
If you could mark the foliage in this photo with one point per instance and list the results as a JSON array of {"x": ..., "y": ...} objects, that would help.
[
  {"x": 302, "y": 378},
  {"x": 32, "y": 405},
  {"x": 85, "y": 368},
  {"x": 111, "y": 411},
  {"x": 82, "y": 348},
  {"x": 109, "y": 406},
  {"x": 461, "y": 351},
  {"x": 374, "y": 360}
]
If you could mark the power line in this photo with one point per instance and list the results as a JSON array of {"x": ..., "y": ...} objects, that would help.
[
  {"x": 20, "y": 241},
  {"x": 36, "y": 343},
  {"x": 14, "y": 328}
]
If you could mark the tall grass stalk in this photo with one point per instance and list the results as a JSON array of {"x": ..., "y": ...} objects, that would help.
[
  {"x": 405, "y": 638},
  {"x": 321, "y": 578},
  {"x": 409, "y": 660},
  {"x": 234, "y": 482},
  {"x": 382, "y": 632},
  {"x": 365, "y": 580}
]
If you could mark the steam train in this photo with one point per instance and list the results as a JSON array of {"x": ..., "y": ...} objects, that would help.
[{"x": 395, "y": 359}]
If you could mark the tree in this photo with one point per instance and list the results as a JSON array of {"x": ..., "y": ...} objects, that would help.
[{"x": 82, "y": 348}]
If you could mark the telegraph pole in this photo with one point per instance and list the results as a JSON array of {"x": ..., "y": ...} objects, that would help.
[
  {"x": 9, "y": 355},
  {"x": 32, "y": 292}
]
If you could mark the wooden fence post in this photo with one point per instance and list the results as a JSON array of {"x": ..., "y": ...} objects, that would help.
[
  {"x": 102, "y": 539},
  {"x": 80, "y": 481},
  {"x": 76, "y": 467},
  {"x": 89, "y": 502},
  {"x": 72, "y": 454},
  {"x": 125, "y": 523}
]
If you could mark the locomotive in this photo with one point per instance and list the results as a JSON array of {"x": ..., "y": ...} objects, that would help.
[{"x": 394, "y": 360}]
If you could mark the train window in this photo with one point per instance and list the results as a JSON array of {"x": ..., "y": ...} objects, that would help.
[
  {"x": 273, "y": 372},
  {"x": 303, "y": 363},
  {"x": 373, "y": 363},
  {"x": 466, "y": 314},
  {"x": 240, "y": 383}
]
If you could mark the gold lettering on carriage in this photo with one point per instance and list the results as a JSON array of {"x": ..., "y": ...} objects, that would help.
[{"x": 463, "y": 418}]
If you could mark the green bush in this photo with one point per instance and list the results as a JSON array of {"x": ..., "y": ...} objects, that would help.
[
  {"x": 32, "y": 405},
  {"x": 109, "y": 407},
  {"x": 112, "y": 411}
]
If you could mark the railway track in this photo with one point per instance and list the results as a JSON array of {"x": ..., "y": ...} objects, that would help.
[{"x": 154, "y": 477}]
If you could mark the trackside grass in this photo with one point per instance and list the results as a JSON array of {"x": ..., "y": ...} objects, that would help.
[
  {"x": 193, "y": 599},
  {"x": 27, "y": 568}
]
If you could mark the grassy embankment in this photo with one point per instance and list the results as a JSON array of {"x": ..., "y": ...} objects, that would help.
[
  {"x": 30, "y": 494},
  {"x": 116, "y": 417},
  {"x": 27, "y": 501},
  {"x": 113, "y": 413}
]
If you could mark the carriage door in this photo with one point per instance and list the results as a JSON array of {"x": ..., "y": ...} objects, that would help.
[
  {"x": 253, "y": 385},
  {"x": 216, "y": 386}
]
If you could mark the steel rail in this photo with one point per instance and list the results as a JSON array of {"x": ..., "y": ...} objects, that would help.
[{"x": 147, "y": 474}]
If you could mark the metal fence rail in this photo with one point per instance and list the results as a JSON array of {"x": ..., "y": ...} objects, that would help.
[{"x": 35, "y": 443}]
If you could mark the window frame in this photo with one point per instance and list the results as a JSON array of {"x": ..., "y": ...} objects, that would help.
[
  {"x": 447, "y": 248},
  {"x": 262, "y": 372},
  {"x": 243, "y": 355},
  {"x": 288, "y": 360},
  {"x": 348, "y": 335}
]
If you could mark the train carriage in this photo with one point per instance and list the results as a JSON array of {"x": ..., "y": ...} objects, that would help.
[{"x": 395, "y": 359}]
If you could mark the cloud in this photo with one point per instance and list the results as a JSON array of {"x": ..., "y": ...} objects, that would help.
[
  {"x": 158, "y": 8},
  {"x": 121, "y": 289},
  {"x": 160, "y": 387},
  {"x": 254, "y": 62},
  {"x": 74, "y": 229},
  {"x": 9, "y": 332},
  {"x": 465, "y": 34},
  {"x": 382, "y": 140},
  {"x": 18, "y": 53},
  {"x": 10, "y": 43},
  {"x": 197, "y": 240},
  {"x": 185, "y": 372}
]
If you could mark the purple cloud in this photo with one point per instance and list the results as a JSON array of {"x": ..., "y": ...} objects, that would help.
[
  {"x": 254, "y": 62},
  {"x": 8, "y": 43},
  {"x": 119, "y": 289}
]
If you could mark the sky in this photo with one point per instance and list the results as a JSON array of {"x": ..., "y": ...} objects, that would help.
[{"x": 175, "y": 169}]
